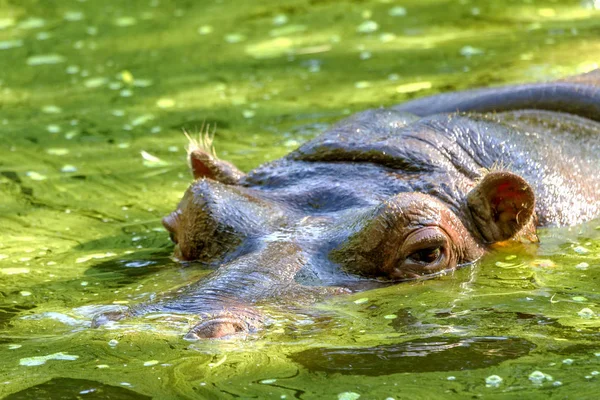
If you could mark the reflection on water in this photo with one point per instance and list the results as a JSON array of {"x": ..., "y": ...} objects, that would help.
[{"x": 421, "y": 355}]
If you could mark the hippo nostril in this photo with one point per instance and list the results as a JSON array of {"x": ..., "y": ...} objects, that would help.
[{"x": 217, "y": 328}]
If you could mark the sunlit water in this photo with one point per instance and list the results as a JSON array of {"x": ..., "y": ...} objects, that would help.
[{"x": 93, "y": 98}]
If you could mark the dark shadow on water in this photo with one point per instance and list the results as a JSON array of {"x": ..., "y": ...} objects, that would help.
[
  {"x": 66, "y": 388},
  {"x": 421, "y": 355}
]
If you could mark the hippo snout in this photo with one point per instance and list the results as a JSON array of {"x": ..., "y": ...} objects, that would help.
[{"x": 219, "y": 327}]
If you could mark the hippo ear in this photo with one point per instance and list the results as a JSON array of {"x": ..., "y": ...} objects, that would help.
[
  {"x": 501, "y": 205},
  {"x": 204, "y": 162}
]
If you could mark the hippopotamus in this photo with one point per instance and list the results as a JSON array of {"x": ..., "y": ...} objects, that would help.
[{"x": 385, "y": 196}]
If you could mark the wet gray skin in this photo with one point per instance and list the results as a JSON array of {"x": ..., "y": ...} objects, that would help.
[{"x": 385, "y": 196}]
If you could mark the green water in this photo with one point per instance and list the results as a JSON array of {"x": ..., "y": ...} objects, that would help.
[{"x": 93, "y": 97}]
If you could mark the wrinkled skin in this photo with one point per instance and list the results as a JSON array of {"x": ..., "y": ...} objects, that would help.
[{"x": 387, "y": 195}]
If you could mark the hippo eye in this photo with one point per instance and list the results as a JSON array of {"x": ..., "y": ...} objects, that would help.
[
  {"x": 424, "y": 252},
  {"x": 426, "y": 256}
]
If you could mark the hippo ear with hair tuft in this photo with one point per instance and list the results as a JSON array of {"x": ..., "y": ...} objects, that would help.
[
  {"x": 502, "y": 204},
  {"x": 204, "y": 162}
]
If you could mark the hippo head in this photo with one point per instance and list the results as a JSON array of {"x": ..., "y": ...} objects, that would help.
[
  {"x": 301, "y": 225},
  {"x": 360, "y": 226}
]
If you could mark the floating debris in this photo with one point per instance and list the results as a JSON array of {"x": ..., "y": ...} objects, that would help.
[
  {"x": 36, "y": 176},
  {"x": 543, "y": 263},
  {"x": 43, "y": 36},
  {"x": 142, "y": 83},
  {"x": 32, "y": 23},
  {"x": 10, "y": 44},
  {"x": 102, "y": 366},
  {"x": 268, "y": 381},
  {"x": 469, "y": 51},
  {"x": 547, "y": 12},
  {"x": 14, "y": 346},
  {"x": 280, "y": 19},
  {"x": 368, "y": 27},
  {"x": 270, "y": 48},
  {"x": 25, "y": 293},
  {"x": 142, "y": 119},
  {"x": 125, "y": 93},
  {"x": 41, "y": 360},
  {"x": 6, "y": 23},
  {"x": 51, "y": 109},
  {"x": 348, "y": 396},
  {"x": 205, "y": 30},
  {"x": 95, "y": 256},
  {"x": 151, "y": 160},
  {"x": 57, "y": 151},
  {"x": 361, "y": 300},
  {"x": 493, "y": 381},
  {"x": 218, "y": 363},
  {"x": 390, "y": 316},
  {"x": 413, "y": 87},
  {"x": 45, "y": 59},
  {"x": 397, "y": 11},
  {"x": 13, "y": 271},
  {"x": 451, "y": 378},
  {"x": 287, "y": 30},
  {"x": 387, "y": 37},
  {"x": 579, "y": 298},
  {"x": 150, "y": 363},
  {"x": 68, "y": 168},
  {"x": 95, "y": 82},
  {"x": 586, "y": 313},
  {"x": 113, "y": 342},
  {"x": 165, "y": 103},
  {"x": 235, "y": 38},
  {"x": 580, "y": 250},
  {"x": 73, "y": 16},
  {"x": 567, "y": 361},
  {"x": 125, "y": 21},
  {"x": 72, "y": 69},
  {"x": 362, "y": 84},
  {"x": 248, "y": 113}
]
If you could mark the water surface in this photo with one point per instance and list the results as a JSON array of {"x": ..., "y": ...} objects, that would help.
[{"x": 93, "y": 98}]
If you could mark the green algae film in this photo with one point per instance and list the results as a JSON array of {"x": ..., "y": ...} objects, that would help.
[{"x": 93, "y": 98}]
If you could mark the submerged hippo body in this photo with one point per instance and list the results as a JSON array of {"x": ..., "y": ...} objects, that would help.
[{"x": 386, "y": 195}]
